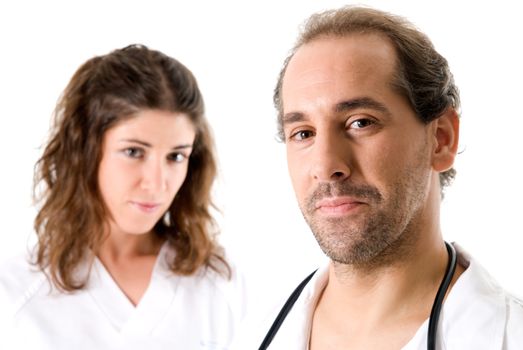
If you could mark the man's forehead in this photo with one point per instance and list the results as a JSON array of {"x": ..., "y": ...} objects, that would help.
[
  {"x": 327, "y": 55},
  {"x": 350, "y": 47},
  {"x": 335, "y": 65}
]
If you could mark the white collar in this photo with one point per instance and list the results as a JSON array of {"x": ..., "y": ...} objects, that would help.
[
  {"x": 124, "y": 316},
  {"x": 473, "y": 315}
]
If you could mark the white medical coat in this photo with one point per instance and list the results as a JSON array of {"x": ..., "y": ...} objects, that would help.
[
  {"x": 176, "y": 312},
  {"x": 477, "y": 314}
]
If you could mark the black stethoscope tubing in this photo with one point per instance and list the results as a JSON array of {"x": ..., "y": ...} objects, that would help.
[{"x": 434, "y": 313}]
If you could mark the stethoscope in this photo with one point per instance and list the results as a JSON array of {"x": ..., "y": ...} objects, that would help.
[{"x": 434, "y": 313}]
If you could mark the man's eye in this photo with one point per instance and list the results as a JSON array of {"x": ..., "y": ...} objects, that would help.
[
  {"x": 361, "y": 123},
  {"x": 302, "y": 135},
  {"x": 133, "y": 152},
  {"x": 177, "y": 157}
]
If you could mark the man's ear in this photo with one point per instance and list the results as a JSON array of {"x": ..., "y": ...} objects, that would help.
[{"x": 446, "y": 136}]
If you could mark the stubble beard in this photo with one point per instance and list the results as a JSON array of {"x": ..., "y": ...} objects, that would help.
[{"x": 382, "y": 233}]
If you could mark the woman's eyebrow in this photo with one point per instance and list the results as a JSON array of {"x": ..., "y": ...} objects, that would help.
[{"x": 149, "y": 145}]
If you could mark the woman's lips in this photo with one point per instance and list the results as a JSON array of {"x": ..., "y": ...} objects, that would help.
[{"x": 146, "y": 207}]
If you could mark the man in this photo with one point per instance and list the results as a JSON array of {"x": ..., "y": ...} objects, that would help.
[{"x": 368, "y": 111}]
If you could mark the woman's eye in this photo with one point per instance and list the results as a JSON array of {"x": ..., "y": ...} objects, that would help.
[
  {"x": 361, "y": 123},
  {"x": 133, "y": 152},
  {"x": 177, "y": 157},
  {"x": 302, "y": 135}
]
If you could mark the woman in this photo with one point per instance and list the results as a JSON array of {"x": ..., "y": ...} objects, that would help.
[{"x": 126, "y": 256}]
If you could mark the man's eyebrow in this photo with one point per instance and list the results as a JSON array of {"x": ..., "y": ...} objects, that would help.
[
  {"x": 344, "y": 106},
  {"x": 293, "y": 117},
  {"x": 148, "y": 145},
  {"x": 363, "y": 102}
]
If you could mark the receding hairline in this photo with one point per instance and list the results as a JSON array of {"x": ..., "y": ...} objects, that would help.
[
  {"x": 347, "y": 21},
  {"x": 396, "y": 66},
  {"x": 353, "y": 19}
]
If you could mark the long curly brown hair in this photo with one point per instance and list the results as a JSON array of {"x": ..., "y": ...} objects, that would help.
[{"x": 72, "y": 216}]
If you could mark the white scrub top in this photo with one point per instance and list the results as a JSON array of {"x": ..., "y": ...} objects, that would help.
[
  {"x": 477, "y": 314},
  {"x": 176, "y": 312}
]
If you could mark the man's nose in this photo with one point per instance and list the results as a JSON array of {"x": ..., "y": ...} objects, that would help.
[{"x": 330, "y": 161}]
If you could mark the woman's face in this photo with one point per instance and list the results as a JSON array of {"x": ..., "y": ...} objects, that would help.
[{"x": 144, "y": 163}]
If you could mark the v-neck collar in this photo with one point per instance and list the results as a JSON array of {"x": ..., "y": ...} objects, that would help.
[
  {"x": 474, "y": 302},
  {"x": 154, "y": 304}
]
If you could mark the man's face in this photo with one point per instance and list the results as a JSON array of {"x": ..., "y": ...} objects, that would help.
[{"x": 358, "y": 156}]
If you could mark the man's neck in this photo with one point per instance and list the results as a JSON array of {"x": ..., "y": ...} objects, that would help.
[
  {"x": 386, "y": 289},
  {"x": 381, "y": 304}
]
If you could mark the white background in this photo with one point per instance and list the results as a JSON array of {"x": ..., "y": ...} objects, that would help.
[{"x": 235, "y": 49}]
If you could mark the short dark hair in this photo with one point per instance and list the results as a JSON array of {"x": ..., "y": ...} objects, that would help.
[{"x": 422, "y": 76}]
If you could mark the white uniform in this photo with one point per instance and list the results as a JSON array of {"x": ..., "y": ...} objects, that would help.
[
  {"x": 477, "y": 314},
  {"x": 176, "y": 312}
]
